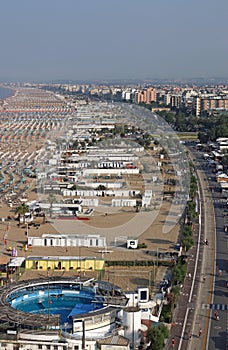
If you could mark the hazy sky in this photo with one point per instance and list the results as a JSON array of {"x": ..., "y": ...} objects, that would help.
[{"x": 107, "y": 39}]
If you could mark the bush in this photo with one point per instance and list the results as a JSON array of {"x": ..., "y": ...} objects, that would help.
[{"x": 142, "y": 245}]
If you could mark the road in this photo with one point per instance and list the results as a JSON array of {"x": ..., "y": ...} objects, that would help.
[
  {"x": 218, "y": 336},
  {"x": 206, "y": 291},
  {"x": 216, "y": 333}
]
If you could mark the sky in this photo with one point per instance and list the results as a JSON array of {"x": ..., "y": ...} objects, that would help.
[{"x": 45, "y": 40}]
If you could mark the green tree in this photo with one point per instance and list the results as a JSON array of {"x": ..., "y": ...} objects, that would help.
[
  {"x": 193, "y": 186},
  {"x": 179, "y": 271},
  {"x": 212, "y": 128},
  {"x": 101, "y": 188},
  {"x": 203, "y": 137},
  {"x": 187, "y": 242},
  {"x": 225, "y": 160},
  {"x": 156, "y": 336},
  {"x": 187, "y": 232},
  {"x": 166, "y": 314},
  {"x": 83, "y": 144},
  {"x": 75, "y": 144},
  {"x": 191, "y": 213}
]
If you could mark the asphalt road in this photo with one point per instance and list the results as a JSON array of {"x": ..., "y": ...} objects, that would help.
[
  {"x": 218, "y": 331},
  {"x": 218, "y": 337},
  {"x": 188, "y": 317},
  {"x": 201, "y": 298}
]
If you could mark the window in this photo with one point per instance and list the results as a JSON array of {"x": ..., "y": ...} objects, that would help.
[
  {"x": 143, "y": 295},
  {"x": 39, "y": 346},
  {"x": 48, "y": 347},
  {"x": 76, "y": 347},
  {"x": 55, "y": 347}
]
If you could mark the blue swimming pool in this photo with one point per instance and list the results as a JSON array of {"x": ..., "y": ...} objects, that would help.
[{"x": 51, "y": 300}]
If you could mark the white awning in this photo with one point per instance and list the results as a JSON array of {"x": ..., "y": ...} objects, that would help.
[{"x": 15, "y": 262}]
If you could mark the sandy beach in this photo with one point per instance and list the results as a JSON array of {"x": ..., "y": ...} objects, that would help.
[{"x": 21, "y": 148}]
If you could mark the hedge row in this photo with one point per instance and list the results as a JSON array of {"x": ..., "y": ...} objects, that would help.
[{"x": 139, "y": 263}]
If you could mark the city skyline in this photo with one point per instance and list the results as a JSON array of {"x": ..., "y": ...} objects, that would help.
[{"x": 102, "y": 40}]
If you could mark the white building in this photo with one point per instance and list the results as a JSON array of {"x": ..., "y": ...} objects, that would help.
[
  {"x": 68, "y": 240},
  {"x": 124, "y": 202}
]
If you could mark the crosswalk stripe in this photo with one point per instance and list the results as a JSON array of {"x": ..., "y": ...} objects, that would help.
[
  {"x": 222, "y": 307},
  {"x": 219, "y": 200}
]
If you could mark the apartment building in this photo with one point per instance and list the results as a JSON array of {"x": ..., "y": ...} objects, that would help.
[
  {"x": 145, "y": 96},
  {"x": 175, "y": 101},
  {"x": 209, "y": 103}
]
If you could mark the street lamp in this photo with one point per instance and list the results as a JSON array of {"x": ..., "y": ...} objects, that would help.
[
  {"x": 80, "y": 263},
  {"x": 27, "y": 230},
  {"x": 157, "y": 257},
  {"x": 48, "y": 296}
]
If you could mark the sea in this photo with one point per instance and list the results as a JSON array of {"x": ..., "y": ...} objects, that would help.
[{"x": 5, "y": 92}]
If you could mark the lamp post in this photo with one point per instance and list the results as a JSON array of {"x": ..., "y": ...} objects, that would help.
[
  {"x": 149, "y": 280},
  {"x": 48, "y": 296},
  {"x": 27, "y": 231},
  {"x": 83, "y": 334},
  {"x": 154, "y": 275},
  {"x": 80, "y": 265},
  {"x": 157, "y": 257}
]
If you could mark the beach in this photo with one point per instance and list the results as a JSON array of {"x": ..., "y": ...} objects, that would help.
[{"x": 26, "y": 120}]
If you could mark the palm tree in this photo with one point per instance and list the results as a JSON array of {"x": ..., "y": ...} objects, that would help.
[
  {"x": 21, "y": 210},
  {"x": 51, "y": 200}
]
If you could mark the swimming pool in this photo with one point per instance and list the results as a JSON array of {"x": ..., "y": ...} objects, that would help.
[{"x": 52, "y": 300}]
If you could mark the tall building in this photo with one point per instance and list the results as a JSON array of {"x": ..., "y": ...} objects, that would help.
[
  {"x": 175, "y": 101},
  {"x": 150, "y": 95},
  {"x": 197, "y": 106},
  {"x": 145, "y": 96},
  {"x": 210, "y": 103}
]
